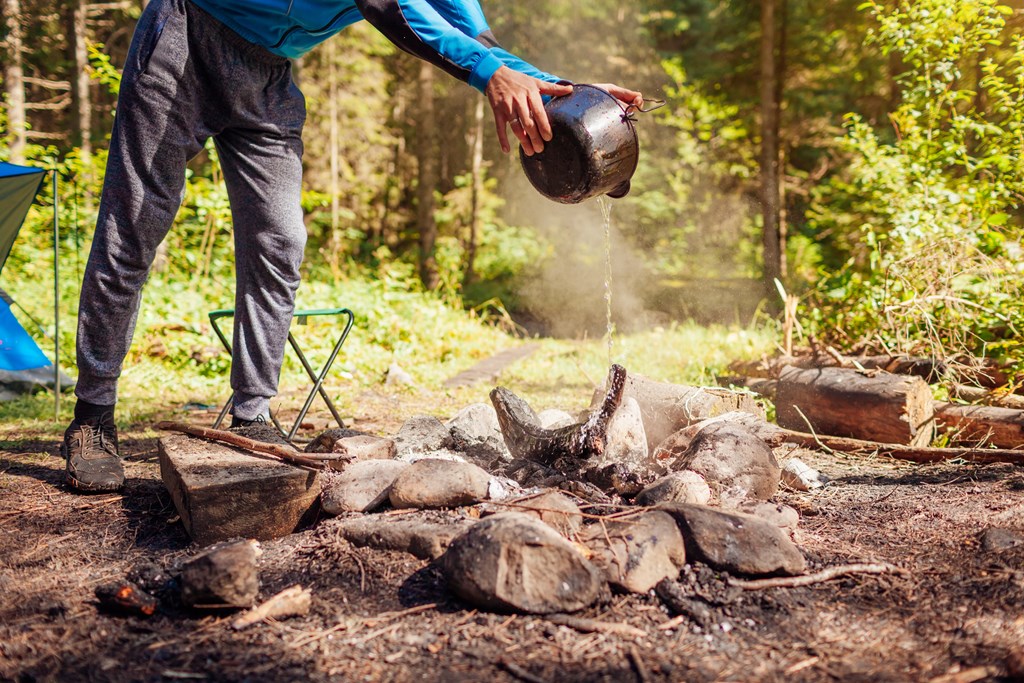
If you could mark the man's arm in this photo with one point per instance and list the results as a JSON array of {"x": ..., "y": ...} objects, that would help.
[
  {"x": 454, "y": 36},
  {"x": 449, "y": 42}
]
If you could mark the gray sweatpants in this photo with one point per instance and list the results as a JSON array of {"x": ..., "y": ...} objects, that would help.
[{"x": 189, "y": 78}]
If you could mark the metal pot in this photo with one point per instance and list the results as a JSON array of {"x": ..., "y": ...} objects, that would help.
[{"x": 593, "y": 150}]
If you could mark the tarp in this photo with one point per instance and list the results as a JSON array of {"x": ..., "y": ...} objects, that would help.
[
  {"x": 18, "y": 351},
  {"x": 18, "y": 187},
  {"x": 23, "y": 366}
]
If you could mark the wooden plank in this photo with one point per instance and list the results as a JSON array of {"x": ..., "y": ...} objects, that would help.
[
  {"x": 222, "y": 492},
  {"x": 873, "y": 406}
]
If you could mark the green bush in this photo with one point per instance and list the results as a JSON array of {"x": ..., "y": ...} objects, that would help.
[{"x": 923, "y": 233}]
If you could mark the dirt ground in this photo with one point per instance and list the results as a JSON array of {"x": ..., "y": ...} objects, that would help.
[{"x": 956, "y": 614}]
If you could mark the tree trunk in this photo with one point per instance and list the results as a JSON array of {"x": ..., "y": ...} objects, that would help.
[
  {"x": 426, "y": 156},
  {"x": 334, "y": 243},
  {"x": 875, "y": 406},
  {"x": 83, "y": 101},
  {"x": 476, "y": 169},
  {"x": 771, "y": 88},
  {"x": 14, "y": 87}
]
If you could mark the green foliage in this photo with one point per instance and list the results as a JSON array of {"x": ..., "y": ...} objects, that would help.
[
  {"x": 924, "y": 233},
  {"x": 103, "y": 71}
]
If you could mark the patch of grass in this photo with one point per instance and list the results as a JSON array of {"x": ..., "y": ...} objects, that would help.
[{"x": 176, "y": 360}]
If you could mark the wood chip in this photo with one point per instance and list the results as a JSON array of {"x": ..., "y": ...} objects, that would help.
[
  {"x": 291, "y": 602},
  {"x": 593, "y": 626}
]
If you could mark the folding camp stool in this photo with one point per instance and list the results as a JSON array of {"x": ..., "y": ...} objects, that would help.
[{"x": 316, "y": 378}]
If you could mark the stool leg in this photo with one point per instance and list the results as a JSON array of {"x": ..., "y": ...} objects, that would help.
[
  {"x": 224, "y": 411},
  {"x": 318, "y": 381}
]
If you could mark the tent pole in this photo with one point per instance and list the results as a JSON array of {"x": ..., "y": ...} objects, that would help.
[{"x": 56, "y": 304}]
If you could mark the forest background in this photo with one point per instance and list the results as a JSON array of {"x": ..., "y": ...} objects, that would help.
[{"x": 857, "y": 164}]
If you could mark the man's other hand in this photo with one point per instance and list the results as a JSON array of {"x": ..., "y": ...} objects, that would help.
[
  {"x": 516, "y": 101},
  {"x": 626, "y": 96}
]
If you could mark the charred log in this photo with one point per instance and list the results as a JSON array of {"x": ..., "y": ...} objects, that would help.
[{"x": 527, "y": 439}]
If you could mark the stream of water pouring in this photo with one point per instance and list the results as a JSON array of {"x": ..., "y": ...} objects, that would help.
[{"x": 606, "y": 211}]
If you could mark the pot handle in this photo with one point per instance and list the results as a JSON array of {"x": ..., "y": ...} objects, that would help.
[{"x": 654, "y": 104}]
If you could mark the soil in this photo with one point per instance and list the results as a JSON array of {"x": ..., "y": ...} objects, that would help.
[{"x": 956, "y": 612}]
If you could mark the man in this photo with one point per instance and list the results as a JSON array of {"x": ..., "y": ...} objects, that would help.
[{"x": 220, "y": 68}]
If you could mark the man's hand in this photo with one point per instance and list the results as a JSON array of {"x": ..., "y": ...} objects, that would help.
[
  {"x": 624, "y": 95},
  {"x": 516, "y": 101}
]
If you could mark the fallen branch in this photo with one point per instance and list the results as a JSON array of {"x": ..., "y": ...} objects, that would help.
[
  {"x": 918, "y": 454},
  {"x": 817, "y": 577},
  {"x": 593, "y": 626},
  {"x": 291, "y": 602},
  {"x": 279, "y": 451}
]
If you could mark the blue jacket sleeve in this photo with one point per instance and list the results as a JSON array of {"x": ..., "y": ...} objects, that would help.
[{"x": 451, "y": 34}]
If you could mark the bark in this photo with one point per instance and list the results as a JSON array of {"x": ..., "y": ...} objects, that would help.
[
  {"x": 771, "y": 89},
  {"x": 981, "y": 425},
  {"x": 334, "y": 243},
  {"x": 978, "y": 371},
  {"x": 476, "y": 171},
  {"x": 83, "y": 100},
  {"x": 874, "y": 406},
  {"x": 426, "y": 156},
  {"x": 14, "y": 86}
]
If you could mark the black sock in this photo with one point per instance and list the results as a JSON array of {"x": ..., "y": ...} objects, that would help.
[{"x": 93, "y": 413}]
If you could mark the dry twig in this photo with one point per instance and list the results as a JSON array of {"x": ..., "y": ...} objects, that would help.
[
  {"x": 593, "y": 626},
  {"x": 817, "y": 577},
  {"x": 279, "y": 451},
  {"x": 638, "y": 665}
]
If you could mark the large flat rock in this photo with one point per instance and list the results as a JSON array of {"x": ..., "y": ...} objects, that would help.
[{"x": 222, "y": 492}]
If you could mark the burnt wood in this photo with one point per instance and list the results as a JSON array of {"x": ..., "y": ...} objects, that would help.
[{"x": 527, "y": 439}]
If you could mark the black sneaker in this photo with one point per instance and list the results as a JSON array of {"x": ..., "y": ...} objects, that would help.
[
  {"x": 91, "y": 455},
  {"x": 239, "y": 423}
]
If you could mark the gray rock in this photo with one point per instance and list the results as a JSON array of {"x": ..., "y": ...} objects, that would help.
[
  {"x": 678, "y": 487},
  {"x": 552, "y": 418},
  {"x": 444, "y": 454},
  {"x": 422, "y": 434},
  {"x": 355, "y": 448},
  {"x": 223, "y": 576},
  {"x": 555, "y": 509},
  {"x": 511, "y": 561},
  {"x": 997, "y": 539},
  {"x": 361, "y": 487},
  {"x": 735, "y": 542},
  {"x": 476, "y": 433},
  {"x": 732, "y": 459},
  {"x": 800, "y": 476},
  {"x": 424, "y": 535},
  {"x": 782, "y": 516},
  {"x": 667, "y": 408},
  {"x": 432, "y": 483},
  {"x": 325, "y": 441},
  {"x": 626, "y": 442},
  {"x": 638, "y": 552},
  {"x": 679, "y": 441}
]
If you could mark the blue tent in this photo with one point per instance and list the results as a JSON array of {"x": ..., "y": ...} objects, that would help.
[{"x": 23, "y": 366}]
